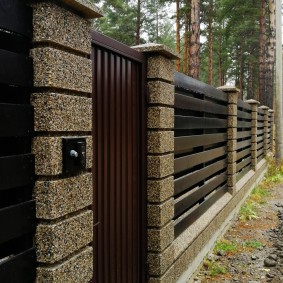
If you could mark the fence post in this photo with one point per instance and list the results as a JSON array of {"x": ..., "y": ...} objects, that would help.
[
  {"x": 272, "y": 144},
  {"x": 160, "y": 158},
  {"x": 232, "y": 95},
  {"x": 62, "y": 101},
  {"x": 254, "y": 105},
  {"x": 265, "y": 129}
]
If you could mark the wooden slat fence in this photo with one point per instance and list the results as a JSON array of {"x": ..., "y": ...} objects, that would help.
[
  {"x": 201, "y": 128},
  {"x": 200, "y": 149},
  {"x": 260, "y": 134},
  {"x": 17, "y": 208},
  {"x": 244, "y": 125}
]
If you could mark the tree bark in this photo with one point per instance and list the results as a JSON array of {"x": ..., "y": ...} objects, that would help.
[
  {"x": 262, "y": 42},
  {"x": 278, "y": 97},
  {"x": 268, "y": 101},
  {"x": 210, "y": 41},
  {"x": 186, "y": 40},
  {"x": 178, "y": 64},
  {"x": 195, "y": 39}
]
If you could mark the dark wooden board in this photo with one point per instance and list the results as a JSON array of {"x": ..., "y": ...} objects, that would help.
[
  {"x": 243, "y": 153},
  {"x": 243, "y": 144},
  {"x": 189, "y": 122},
  {"x": 191, "y": 103},
  {"x": 15, "y": 16},
  {"x": 183, "y": 183},
  {"x": 189, "y": 161},
  {"x": 243, "y": 164},
  {"x": 18, "y": 220},
  {"x": 182, "y": 224},
  {"x": 15, "y": 69},
  {"x": 183, "y": 144},
  {"x": 244, "y": 115},
  {"x": 244, "y": 124},
  {"x": 19, "y": 268},
  {"x": 243, "y": 134},
  {"x": 16, "y": 171},
  {"x": 191, "y": 85},
  {"x": 181, "y": 205},
  {"x": 16, "y": 120}
]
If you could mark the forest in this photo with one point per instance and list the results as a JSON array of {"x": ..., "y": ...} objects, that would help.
[{"x": 218, "y": 41}]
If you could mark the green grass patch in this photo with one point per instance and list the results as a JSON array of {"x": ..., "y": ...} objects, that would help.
[
  {"x": 215, "y": 268},
  {"x": 252, "y": 244},
  {"x": 226, "y": 246},
  {"x": 249, "y": 211}
]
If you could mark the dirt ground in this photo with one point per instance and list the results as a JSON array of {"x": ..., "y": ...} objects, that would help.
[{"x": 259, "y": 247}]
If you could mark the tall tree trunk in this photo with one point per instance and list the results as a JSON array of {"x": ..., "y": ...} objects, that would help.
[
  {"x": 210, "y": 19},
  {"x": 262, "y": 42},
  {"x": 278, "y": 97},
  {"x": 195, "y": 39},
  {"x": 268, "y": 101},
  {"x": 138, "y": 26},
  {"x": 241, "y": 72},
  {"x": 178, "y": 64},
  {"x": 186, "y": 40},
  {"x": 250, "y": 80}
]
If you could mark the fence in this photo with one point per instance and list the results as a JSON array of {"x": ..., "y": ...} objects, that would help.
[
  {"x": 203, "y": 116},
  {"x": 17, "y": 209}
]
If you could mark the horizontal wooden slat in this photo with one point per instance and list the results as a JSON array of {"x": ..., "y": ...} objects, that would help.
[
  {"x": 244, "y": 115},
  {"x": 187, "y": 181},
  {"x": 182, "y": 144},
  {"x": 260, "y": 124},
  {"x": 15, "y": 69},
  {"x": 244, "y": 105},
  {"x": 184, "y": 223},
  {"x": 186, "y": 202},
  {"x": 16, "y": 120},
  {"x": 19, "y": 268},
  {"x": 260, "y": 152},
  {"x": 260, "y": 131},
  {"x": 244, "y": 124},
  {"x": 15, "y": 16},
  {"x": 260, "y": 111},
  {"x": 16, "y": 171},
  {"x": 18, "y": 220},
  {"x": 243, "y": 164},
  {"x": 184, "y": 82},
  {"x": 191, "y": 103},
  {"x": 243, "y": 144},
  {"x": 260, "y": 138},
  {"x": 243, "y": 134},
  {"x": 187, "y": 162},
  {"x": 14, "y": 43},
  {"x": 189, "y": 122},
  {"x": 243, "y": 153}
]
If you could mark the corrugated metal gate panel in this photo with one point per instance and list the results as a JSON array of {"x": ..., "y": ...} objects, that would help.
[{"x": 119, "y": 149}]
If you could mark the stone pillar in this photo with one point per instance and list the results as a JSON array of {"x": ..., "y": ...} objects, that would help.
[
  {"x": 265, "y": 125},
  {"x": 254, "y": 105},
  {"x": 160, "y": 160},
  {"x": 232, "y": 96},
  {"x": 272, "y": 144},
  {"x": 62, "y": 108}
]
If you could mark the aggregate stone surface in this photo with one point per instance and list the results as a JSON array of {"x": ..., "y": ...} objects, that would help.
[{"x": 253, "y": 265}]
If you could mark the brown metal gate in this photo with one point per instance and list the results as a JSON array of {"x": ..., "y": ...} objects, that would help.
[{"x": 119, "y": 166}]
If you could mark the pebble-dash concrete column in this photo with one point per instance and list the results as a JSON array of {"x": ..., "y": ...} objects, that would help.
[
  {"x": 272, "y": 144},
  {"x": 265, "y": 127},
  {"x": 63, "y": 108},
  {"x": 160, "y": 160},
  {"x": 254, "y": 105},
  {"x": 232, "y": 95}
]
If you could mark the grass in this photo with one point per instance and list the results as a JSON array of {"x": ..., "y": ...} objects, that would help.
[
  {"x": 250, "y": 208},
  {"x": 226, "y": 246},
  {"x": 214, "y": 268},
  {"x": 254, "y": 244}
]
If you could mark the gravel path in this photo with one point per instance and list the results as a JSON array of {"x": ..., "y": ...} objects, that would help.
[{"x": 263, "y": 263}]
